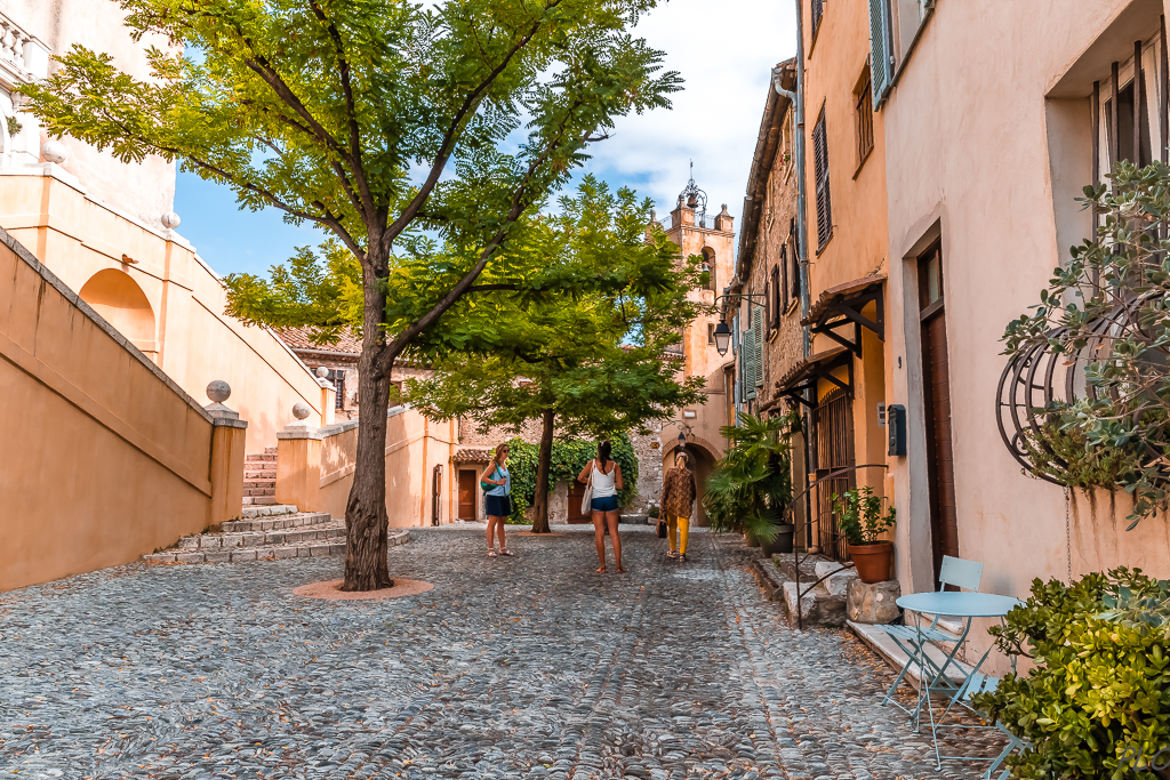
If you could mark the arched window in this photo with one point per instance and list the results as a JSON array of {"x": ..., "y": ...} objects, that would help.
[{"x": 709, "y": 267}]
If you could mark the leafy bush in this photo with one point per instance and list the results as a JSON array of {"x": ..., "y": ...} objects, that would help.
[
  {"x": 1104, "y": 312},
  {"x": 860, "y": 515},
  {"x": 569, "y": 456},
  {"x": 1097, "y": 702},
  {"x": 751, "y": 487}
]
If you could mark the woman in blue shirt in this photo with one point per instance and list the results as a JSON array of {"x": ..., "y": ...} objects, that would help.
[{"x": 497, "y": 483}]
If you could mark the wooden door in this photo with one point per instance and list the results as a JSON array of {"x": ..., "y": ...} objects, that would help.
[
  {"x": 936, "y": 391},
  {"x": 467, "y": 494},
  {"x": 576, "y": 493},
  {"x": 834, "y": 428}
]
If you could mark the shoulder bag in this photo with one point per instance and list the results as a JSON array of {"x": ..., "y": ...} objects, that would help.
[{"x": 587, "y": 497}]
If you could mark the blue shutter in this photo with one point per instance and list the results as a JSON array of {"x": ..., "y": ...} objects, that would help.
[
  {"x": 749, "y": 363},
  {"x": 881, "y": 61},
  {"x": 758, "y": 345}
]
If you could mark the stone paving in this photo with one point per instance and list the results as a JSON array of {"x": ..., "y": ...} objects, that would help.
[{"x": 529, "y": 667}]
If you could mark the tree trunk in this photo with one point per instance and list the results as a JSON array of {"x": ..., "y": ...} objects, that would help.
[
  {"x": 366, "y": 567},
  {"x": 543, "y": 465}
]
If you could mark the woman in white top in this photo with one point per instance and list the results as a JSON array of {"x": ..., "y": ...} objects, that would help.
[{"x": 606, "y": 477}]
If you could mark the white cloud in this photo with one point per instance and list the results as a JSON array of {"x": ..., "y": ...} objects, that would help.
[{"x": 725, "y": 52}]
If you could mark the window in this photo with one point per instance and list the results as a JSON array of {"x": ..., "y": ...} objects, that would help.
[
  {"x": 863, "y": 111},
  {"x": 881, "y": 48},
  {"x": 1129, "y": 115},
  {"x": 818, "y": 10},
  {"x": 793, "y": 264},
  {"x": 776, "y": 297},
  {"x": 337, "y": 377},
  {"x": 710, "y": 333},
  {"x": 709, "y": 266},
  {"x": 821, "y": 173},
  {"x": 768, "y": 306}
]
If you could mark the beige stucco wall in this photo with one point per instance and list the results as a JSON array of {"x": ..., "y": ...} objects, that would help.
[
  {"x": 104, "y": 459},
  {"x": 193, "y": 341},
  {"x": 315, "y": 467},
  {"x": 144, "y": 190},
  {"x": 993, "y": 190}
]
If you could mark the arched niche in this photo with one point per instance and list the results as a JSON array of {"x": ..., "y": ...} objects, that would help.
[
  {"x": 709, "y": 266},
  {"x": 121, "y": 302}
]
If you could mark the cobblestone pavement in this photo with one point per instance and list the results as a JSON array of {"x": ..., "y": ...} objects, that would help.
[{"x": 531, "y": 667}]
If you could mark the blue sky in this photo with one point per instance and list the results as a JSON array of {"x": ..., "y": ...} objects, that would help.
[{"x": 725, "y": 52}]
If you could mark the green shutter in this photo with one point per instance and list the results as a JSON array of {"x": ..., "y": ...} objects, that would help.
[
  {"x": 881, "y": 67},
  {"x": 758, "y": 318},
  {"x": 748, "y": 351}
]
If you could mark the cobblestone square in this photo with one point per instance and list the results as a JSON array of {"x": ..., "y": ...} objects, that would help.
[{"x": 529, "y": 667}]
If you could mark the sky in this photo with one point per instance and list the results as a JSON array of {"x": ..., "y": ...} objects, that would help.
[{"x": 724, "y": 50}]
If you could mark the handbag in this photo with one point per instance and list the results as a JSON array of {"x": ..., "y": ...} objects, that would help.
[
  {"x": 486, "y": 486},
  {"x": 587, "y": 496},
  {"x": 661, "y": 529}
]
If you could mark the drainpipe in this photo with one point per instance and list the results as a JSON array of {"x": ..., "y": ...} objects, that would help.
[{"x": 801, "y": 236}]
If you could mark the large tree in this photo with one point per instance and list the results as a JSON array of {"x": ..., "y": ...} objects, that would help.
[
  {"x": 597, "y": 362},
  {"x": 417, "y": 134}
]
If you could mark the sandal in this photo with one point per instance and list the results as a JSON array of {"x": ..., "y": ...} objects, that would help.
[
  {"x": 492, "y": 553},
  {"x": 682, "y": 557},
  {"x": 506, "y": 551},
  {"x": 672, "y": 555}
]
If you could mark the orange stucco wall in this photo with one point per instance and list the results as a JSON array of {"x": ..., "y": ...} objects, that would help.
[
  {"x": 89, "y": 246},
  {"x": 82, "y": 413},
  {"x": 315, "y": 467}
]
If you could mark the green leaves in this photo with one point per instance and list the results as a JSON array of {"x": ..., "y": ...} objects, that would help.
[
  {"x": 1098, "y": 693},
  {"x": 1105, "y": 314},
  {"x": 860, "y": 515}
]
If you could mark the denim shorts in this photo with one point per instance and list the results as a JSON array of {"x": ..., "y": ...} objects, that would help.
[
  {"x": 498, "y": 506},
  {"x": 604, "y": 504}
]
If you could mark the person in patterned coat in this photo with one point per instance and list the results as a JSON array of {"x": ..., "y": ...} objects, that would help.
[{"x": 678, "y": 496}]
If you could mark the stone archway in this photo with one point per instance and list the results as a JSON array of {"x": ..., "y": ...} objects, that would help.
[
  {"x": 121, "y": 302},
  {"x": 703, "y": 462}
]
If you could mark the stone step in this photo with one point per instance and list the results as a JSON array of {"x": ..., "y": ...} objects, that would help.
[
  {"x": 313, "y": 549},
  {"x": 272, "y": 509},
  {"x": 259, "y": 501},
  {"x": 276, "y": 523},
  {"x": 267, "y": 457},
  {"x": 291, "y": 536},
  {"x": 260, "y": 473},
  {"x": 260, "y": 490}
]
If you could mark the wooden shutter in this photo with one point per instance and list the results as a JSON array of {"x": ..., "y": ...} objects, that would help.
[
  {"x": 748, "y": 351},
  {"x": 881, "y": 63},
  {"x": 821, "y": 171},
  {"x": 758, "y": 349}
]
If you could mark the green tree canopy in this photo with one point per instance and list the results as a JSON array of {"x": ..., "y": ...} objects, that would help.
[{"x": 416, "y": 134}]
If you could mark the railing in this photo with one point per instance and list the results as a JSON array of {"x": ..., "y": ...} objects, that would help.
[
  {"x": 702, "y": 220},
  {"x": 807, "y": 535},
  {"x": 20, "y": 49}
]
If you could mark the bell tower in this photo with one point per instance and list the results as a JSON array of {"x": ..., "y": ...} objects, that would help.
[{"x": 699, "y": 231}]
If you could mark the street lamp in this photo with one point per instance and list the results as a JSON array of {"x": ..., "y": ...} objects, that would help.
[
  {"x": 722, "y": 338},
  {"x": 722, "y": 331}
]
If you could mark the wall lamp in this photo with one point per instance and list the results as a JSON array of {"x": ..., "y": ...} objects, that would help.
[{"x": 722, "y": 331}]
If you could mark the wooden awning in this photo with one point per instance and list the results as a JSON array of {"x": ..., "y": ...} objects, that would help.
[
  {"x": 807, "y": 373},
  {"x": 839, "y": 307}
]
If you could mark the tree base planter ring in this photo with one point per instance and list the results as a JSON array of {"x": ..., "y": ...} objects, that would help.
[{"x": 873, "y": 561}]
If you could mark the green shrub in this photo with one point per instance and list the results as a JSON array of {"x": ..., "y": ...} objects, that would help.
[
  {"x": 751, "y": 487},
  {"x": 569, "y": 456},
  {"x": 1098, "y": 695}
]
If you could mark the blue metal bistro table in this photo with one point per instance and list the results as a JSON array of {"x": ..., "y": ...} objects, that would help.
[{"x": 933, "y": 675}]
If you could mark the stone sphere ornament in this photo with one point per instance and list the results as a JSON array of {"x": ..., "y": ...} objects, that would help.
[
  {"x": 171, "y": 220},
  {"x": 301, "y": 410},
  {"x": 219, "y": 391},
  {"x": 54, "y": 152},
  {"x": 322, "y": 372}
]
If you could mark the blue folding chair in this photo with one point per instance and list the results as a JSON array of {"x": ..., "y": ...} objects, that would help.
[
  {"x": 960, "y": 573},
  {"x": 980, "y": 683}
]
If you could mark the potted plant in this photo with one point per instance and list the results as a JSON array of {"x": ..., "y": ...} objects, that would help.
[
  {"x": 863, "y": 517},
  {"x": 751, "y": 487}
]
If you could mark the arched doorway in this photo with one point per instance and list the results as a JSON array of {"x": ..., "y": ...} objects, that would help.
[
  {"x": 121, "y": 302},
  {"x": 703, "y": 462}
]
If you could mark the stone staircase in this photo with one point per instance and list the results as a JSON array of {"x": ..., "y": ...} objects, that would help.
[{"x": 260, "y": 478}]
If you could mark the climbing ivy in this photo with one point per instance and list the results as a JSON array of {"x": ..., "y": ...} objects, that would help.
[{"x": 569, "y": 456}]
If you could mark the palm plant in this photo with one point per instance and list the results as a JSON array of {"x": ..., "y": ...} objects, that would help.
[{"x": 751, "y": 487}]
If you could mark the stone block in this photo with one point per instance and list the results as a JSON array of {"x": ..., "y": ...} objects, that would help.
[
  {"x": 218, "y": 556},
  {"x": 210, "y": 541},
  {"x": 280, "y": 553},
  {"x": 817, "y": 608},
  {"x": 873, "y": 602},
  {"x": 189, "y": 542},
  {"x": 189, "y": 557},
  {"x": 838, "y": 583},
  {"x": 243, "y": 555}
]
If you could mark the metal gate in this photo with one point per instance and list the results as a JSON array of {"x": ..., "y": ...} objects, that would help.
[{"x": 834, "y": 431}]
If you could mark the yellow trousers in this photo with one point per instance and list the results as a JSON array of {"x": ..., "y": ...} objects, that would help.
[{"x": 676, "y": 532}]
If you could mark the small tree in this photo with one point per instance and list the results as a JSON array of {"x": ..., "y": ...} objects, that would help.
[
  {"x": 594, "y": 364},
  {"x": 417, "y": 134},
  {"x": 1105, "y": 312}
]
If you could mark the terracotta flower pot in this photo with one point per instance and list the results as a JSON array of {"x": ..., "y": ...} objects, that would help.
[{"x": 874, "y": 562}]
